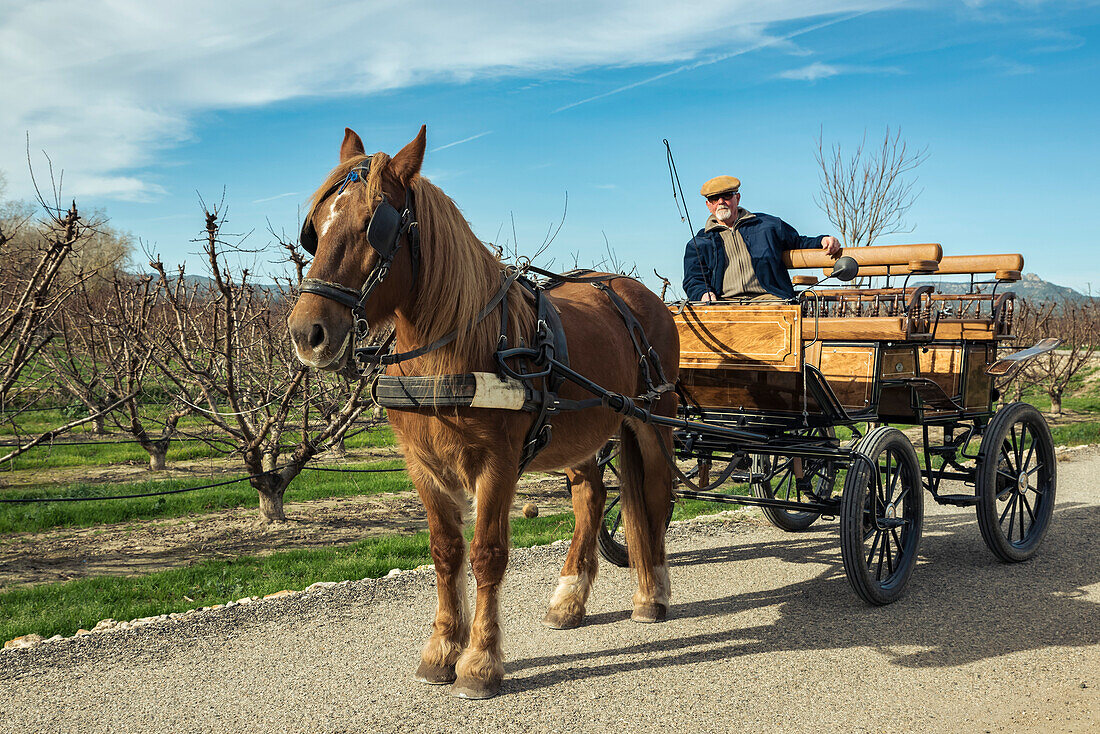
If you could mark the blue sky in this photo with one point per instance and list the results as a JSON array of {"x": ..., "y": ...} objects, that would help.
[{"x": 143, "y": 106}]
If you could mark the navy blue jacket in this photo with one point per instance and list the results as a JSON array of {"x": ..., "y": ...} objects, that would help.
[{"x": 766, "y": 237}]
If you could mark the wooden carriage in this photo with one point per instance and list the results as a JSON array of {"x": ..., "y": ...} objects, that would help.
[{"x": 864, "y": 358}]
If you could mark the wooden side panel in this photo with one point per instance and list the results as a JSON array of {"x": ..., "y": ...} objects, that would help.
[
  {"x": 740, "y": 336},
  {"x": 850, "y": 371},
  {"x": 860, "y": 328},
  {"x": 943, "y": 365},
  {"x": 978, "y": 383},
  {"x": 764, "y": 390},
  {"x": 899, "y": 362},
  {"x": 969, "y": 329}
]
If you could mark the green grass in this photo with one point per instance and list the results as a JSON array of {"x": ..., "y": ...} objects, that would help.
[
  {"x": 1075, "y": 434},
  {"x": 63, "y": 608},
  {"x": 309, "y": 485},
  {"x": 105, "y": 451}
]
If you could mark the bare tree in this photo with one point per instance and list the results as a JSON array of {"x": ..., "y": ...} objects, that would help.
[
  {"x": 865, "y": 194},
  {"x": 229, "y": 357},
  {"x": 1077, "y": 324},
  {"x": 31, "y": 293}
]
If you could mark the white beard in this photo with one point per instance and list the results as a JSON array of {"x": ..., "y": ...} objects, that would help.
[{"x": 723, "y": 214}]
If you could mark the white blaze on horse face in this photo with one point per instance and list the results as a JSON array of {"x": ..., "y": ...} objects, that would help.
[{"x": 332, "y": 214}]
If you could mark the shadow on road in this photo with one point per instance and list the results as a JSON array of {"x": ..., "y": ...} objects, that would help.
[{"x": 962, "y": 605}]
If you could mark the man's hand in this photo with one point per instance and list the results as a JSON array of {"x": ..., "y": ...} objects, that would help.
[
  {"x": 708, "y": 297},
  {"x": 830, "y": 245}
]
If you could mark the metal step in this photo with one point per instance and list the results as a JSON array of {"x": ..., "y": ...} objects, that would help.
[{"x": 959, "y": 500}]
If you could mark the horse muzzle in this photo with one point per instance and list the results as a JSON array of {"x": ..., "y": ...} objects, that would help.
[{"x": 321, "y": 343}]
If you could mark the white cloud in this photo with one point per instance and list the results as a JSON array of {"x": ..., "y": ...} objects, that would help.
[
  {"x": 818, "y": 70},
  {"x": 105, "y": 85},
  {"x": 1007, "y": 67}
]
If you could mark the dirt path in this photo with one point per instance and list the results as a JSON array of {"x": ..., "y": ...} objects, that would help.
[
  {"x": 764, "y": 635},
  {"x": 142, "y": 546}
]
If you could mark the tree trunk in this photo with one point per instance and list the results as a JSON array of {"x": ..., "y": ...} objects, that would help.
[
  {"x": 1056, "y": 403},
  {"x": 271, "y": 504},
  {"x": 271, "y": 488},
  {"x": 100, "y": 429},
  {"x": 157, "y": 459}
]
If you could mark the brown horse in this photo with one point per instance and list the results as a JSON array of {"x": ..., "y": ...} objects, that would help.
[{"x": 453, "y": 453}]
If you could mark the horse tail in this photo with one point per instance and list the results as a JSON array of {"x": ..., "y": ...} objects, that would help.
[{"x": 636, "y": 513}]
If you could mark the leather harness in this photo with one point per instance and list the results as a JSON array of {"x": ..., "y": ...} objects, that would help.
[{"x": 518, "y": 366}]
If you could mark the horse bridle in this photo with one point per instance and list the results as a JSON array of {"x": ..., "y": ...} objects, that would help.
[{"x": 384, "y": 232}]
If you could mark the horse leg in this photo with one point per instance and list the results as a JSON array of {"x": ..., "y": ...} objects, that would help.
[
  {"x": 647, "y": 498},
  {"x": 451, "y": 628},
  {"x": 480, "y": 669},
  {"x": 579, "y": 572}
]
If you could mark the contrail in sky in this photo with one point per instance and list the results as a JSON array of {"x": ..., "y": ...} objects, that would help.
[
  {"x": 464, "y": 140},
  {"x": 723, "y": 57},
  {"x": 273, "y": 198}
]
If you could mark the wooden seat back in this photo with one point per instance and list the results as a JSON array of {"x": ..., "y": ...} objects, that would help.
[
  {"x": 891, "y": 255},
  {"x": 1007, "y": 267}
]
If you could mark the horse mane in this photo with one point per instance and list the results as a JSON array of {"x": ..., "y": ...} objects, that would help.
[{"x": 458, "y": 277}]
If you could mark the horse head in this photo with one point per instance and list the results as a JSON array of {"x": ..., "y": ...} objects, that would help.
[{"x": 361, "y": 231}]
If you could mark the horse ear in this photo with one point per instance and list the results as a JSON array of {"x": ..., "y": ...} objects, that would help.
[
  {"x": 406, "y": 163},
  {"x": 352, "y": 145}
]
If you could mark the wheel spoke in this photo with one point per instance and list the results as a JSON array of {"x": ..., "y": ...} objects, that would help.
[
  {"x": 1007, "y": 457},
  {"x": 881, "y": 553},
  {"x": 1017, "y": 449},
  {"x": 1012, "y": 517},
  {"x": 618, "y": 521},
  {"x": 874, "y": 547},
  {"x": 897, "y": 543},
  {"x": 894, "y": 481},
  {"x": 880, "y": 487},
  {"x": 1005, "y": 475},
  {"x": 1030, "y": 453},
  {"x": 1020, "y": 503},
  {"x": 1027, "y": 505},
  {"x": 784, "y": 484},
  {"x": 889, "y": 557}
]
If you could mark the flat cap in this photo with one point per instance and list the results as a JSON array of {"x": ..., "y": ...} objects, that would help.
[{"x": 718, "y": 184}]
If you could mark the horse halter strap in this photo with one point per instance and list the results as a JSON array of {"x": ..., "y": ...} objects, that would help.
[{"x": 384, "y": 232}]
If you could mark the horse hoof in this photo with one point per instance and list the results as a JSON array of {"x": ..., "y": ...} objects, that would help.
[
  {"x": 649, "y": 613},
  {"x": 436, "y": 675},
  {"x": 562, "y": 620},
  {"x": 475, "y": 688}
]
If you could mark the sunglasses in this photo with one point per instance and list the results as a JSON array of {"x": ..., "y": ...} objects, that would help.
[{"x": 722, "y": 195}]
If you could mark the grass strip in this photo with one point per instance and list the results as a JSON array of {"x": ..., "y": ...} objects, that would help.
[
  {"x": 35, "y": 517},
  {"x": 108, "y": 451},
  {"x": 63, "y": 608}
]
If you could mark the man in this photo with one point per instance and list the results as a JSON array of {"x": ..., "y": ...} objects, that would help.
[{"x": 738, "y": 254}]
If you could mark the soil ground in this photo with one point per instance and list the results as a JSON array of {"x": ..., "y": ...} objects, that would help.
[
  {"x": 139, "y": 547},
  {"x": 143, "y": 546}
]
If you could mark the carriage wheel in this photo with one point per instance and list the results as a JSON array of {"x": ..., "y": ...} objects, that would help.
[
  {"x": 820, "y": 473},
  {"x": 611, "y": 540},
  {"x": 1016, "y": 482},
  {"x": 881, "y": 516}
]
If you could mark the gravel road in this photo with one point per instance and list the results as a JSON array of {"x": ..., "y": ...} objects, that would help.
[{"x": 765, "y": 635}]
